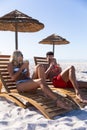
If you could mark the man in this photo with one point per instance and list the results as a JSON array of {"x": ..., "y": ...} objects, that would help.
[{"x": 65, "y": 78}]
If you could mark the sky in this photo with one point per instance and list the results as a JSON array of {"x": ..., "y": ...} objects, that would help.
[{"x": 66, "y": 18}]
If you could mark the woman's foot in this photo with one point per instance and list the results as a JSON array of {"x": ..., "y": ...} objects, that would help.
[{"x": 63, "y": 104}]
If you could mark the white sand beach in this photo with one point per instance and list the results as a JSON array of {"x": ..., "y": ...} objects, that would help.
[{"x": 13, "y": 117}]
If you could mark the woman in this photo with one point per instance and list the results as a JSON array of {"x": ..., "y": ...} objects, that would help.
[{"x": 19, "y": 71}]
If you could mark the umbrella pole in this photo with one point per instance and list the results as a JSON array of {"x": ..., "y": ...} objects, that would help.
[
  {"x": 16, "y": 37},
  {"x": 16, "y": 40}
]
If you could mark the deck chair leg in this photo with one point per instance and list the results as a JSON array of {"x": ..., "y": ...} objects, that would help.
[
  {"x": 13, "y": 99},
  {"x": 34, "y": 103}
]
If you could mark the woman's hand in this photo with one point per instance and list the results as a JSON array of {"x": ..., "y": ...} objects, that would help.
[{"x": 24, "y": 66}]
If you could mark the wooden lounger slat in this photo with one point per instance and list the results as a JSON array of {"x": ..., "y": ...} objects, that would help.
[
  {"x": 4, "y": 63},
  {"x": 40, "y": 60},
  {"x": 7, "y": 77},
  {"x": 4, "y": 70}
]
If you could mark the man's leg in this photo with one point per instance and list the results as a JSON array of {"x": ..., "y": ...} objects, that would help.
[{"x": 69, "y": 74}]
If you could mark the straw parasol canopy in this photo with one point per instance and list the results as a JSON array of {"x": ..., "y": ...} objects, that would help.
[
  {"x": 19, "y": 22},
  {"x": 54, "y": 40}
]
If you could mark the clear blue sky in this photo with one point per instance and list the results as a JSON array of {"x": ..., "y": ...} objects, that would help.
[{"x": 67, "y": 18}]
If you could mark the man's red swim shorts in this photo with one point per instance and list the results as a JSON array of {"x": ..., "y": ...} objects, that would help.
[{"x": 58, "y": 82}]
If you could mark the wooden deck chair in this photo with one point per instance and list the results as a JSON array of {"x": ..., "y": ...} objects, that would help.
[
  {"x": 69, "y": 91},
  {"x": 45, "y": 105},
  {"x": 42, "y": 60}
]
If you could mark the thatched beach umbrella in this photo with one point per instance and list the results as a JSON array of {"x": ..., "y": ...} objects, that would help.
[
  {"x": 19, "y": 22},
  {"x": 54, "y": 40}
]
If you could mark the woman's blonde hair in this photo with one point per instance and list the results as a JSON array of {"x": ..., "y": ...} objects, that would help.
[{"x": 14, "y": 57}]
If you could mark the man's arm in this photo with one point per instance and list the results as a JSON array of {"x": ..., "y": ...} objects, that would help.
[{"x": 54, "y": 68}]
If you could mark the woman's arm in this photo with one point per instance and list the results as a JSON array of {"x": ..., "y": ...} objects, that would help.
[
  {"x": 26, "y": 66},
  {"x": 13, "y": 75}
]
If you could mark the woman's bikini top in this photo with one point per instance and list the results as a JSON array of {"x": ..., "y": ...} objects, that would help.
[{"x": 16, "y": 69}]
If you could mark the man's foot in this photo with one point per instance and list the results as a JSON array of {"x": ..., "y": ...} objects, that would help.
[{"x": 81, "y": 98}]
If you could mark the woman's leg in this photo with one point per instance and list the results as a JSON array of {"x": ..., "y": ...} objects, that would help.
[
  {"x": 27, "y": 86},
  {"x": 35, "y": 73},
  {"x": 69, "y": 74},
  {"x": 39, "y": 72},
  {"x": 32, "y": 85}
]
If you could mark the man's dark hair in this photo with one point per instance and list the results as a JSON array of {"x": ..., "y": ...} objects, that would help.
[{"x": 49, "y": 53}]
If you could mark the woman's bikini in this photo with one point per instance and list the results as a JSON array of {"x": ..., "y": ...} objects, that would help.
[{"x": 16, "y": 69}]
